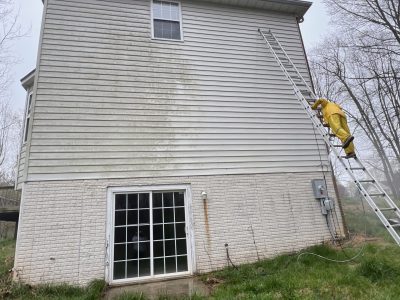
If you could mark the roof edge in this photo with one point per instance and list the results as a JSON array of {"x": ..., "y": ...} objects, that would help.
[{"x": 28, "y": 80}]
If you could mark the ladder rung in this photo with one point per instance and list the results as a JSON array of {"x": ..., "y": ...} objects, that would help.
[
  {"x": 332, "y": 135},
  {"x": 357, "y": 168},
  {"x": 395, "y": 222},
  {"x": 367, "y": 180},
  {"x": 395, "y": 225},
  {"x": 337, "y": 146},
  {"x": 306, "y": 91},
  {"x": 327, "y": 125},
  {"x": 388, "y": 209},
  {"x": 378, "y": 195}
]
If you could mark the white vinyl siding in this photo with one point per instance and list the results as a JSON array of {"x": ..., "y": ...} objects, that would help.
[
  {"x": 21, "y": 166},
  {"x": 114, "y": 103}
]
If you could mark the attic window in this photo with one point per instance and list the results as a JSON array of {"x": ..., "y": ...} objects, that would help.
[{"x": 167, "y": 22}]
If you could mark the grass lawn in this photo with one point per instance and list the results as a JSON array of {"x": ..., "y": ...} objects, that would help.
[{"x": 375, "y": 274}]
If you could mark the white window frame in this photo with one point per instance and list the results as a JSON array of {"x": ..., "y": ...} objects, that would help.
[
  {"x": 110, "y": 232},
  {"x": 180, "y": 21},
  {"x": 28, "y": 112}
]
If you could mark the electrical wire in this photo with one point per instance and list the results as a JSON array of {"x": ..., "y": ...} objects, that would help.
[
  {"x": 325, "y": 181},
  {"x": 229, "y": 258},
  {"x": 349, "y": 258}
]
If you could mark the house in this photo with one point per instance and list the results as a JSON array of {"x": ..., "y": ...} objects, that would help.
[{"x": 161, "y": 137}]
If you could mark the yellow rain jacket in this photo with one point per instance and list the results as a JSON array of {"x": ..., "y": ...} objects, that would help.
[{"x": 328, "y": 108}]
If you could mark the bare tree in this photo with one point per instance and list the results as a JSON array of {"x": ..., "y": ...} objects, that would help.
[
  {"x": 9, "y": 120},
  {"x": 10, "y": 123},
  {"x": 359, "y": 67}
]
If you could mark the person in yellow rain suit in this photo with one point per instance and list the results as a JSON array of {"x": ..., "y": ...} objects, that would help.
[{"x": 336, "y": 119}]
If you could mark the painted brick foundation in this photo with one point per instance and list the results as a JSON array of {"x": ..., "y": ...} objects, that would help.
[{"x": 62, "y": 231}]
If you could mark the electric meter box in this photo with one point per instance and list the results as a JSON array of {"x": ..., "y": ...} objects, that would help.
[{"x": 319, "y": 188}]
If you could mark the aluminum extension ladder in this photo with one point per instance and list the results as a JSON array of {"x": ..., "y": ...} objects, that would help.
[{"x": 372, "y": 191}]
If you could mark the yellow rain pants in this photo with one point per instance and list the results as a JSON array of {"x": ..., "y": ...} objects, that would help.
[
  {"x": 339, "y": 126},
  {"x": 336, "y": 119}
]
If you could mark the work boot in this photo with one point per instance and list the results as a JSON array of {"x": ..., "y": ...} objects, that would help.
[
  {"x": 350, "y": 155},
  {"x": 348, "y": 141}
]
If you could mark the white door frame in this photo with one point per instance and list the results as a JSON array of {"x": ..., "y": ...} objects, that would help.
[{"x": 186, "y": 188}]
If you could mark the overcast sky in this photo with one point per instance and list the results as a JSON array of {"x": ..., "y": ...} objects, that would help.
[{"x": 25, "y": 49}]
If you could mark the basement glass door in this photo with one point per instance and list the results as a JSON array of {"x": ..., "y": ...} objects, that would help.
[{"x": 149, "y": 234}]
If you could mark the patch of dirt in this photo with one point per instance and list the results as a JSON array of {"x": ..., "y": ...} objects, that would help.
[
  {"x": 358, "y": 240},
  {"x": 213, "y": 282}
]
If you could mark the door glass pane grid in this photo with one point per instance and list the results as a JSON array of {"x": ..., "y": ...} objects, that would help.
[
  {"x": 131, "y": 235},
  {"x": 132, "y": 255},
  {"x": 173, "y": 237}
]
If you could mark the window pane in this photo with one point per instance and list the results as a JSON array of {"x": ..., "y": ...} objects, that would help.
[
  {"x": 157, "y": 27},
  {"x": 132, "y": 217},
  {"x": 120, "y": 201},
  {"x": 158, "y": 249},
  {"x": 168, "y": 215},
  {"x": 30, "y": 103},
  {"x": 132, "y": 251},
  {"x": 132, "y": 201},
  {"x": 156, "y": 9},
  {"x": 170, "y": 264},
  {"x": 158, "y": 232},
  {"x": 119, "y": 270},
  {"x": 175, "y": 31},
  {"x": 178, "y": 197},
  {"x": 180, "y": 230},
  {"x": 144, "y": 233},
  {"x": 144, "y": 216},
  {"x": 159, "y": 266},
  {"x": 132, "y": 234},
  {"x": 144, "y": 201},
  {"x": 157, "y": 199},
  {"x": 157, "y": 216},
  {"x": 168, "y": 200},
  {"x": 181, "y": 246},
  {"x": 26, "y": 129},
  {"x": 132, "y": 268},
  {"x": 144, "y": 267},
  {"x": 119, "y": 252},
  {"x": 169, "y": 248},
  {"x": 169, "y": 231},
  {"x": 166, "y": 10},
  {"x": 182, "y": 263},
  {"x": 120, "y": 235},
  {"x": 174, "y": 11},
  {"x": 180, "y": 214},
  {"x": 120, "y": 218},
  {"x": 167, "y": 29},
  {"x": 144, "y": 250}
]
